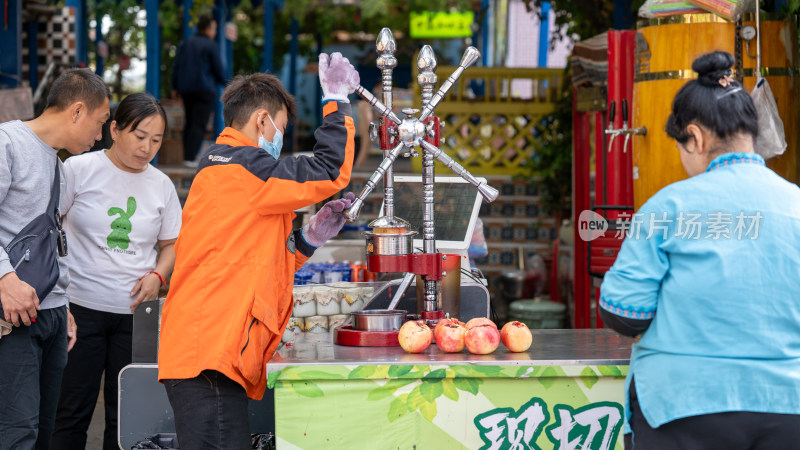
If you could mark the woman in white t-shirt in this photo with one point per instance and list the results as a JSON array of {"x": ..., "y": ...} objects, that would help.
[{"x": 122, "y": 217}]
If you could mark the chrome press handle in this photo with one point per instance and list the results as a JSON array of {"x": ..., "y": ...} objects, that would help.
[
  {"x": 352, "y": 213},
  {"x": 488, "y": 192},
  {"x": 374, "y": 102},
  {"x": 470, "y": 56}
]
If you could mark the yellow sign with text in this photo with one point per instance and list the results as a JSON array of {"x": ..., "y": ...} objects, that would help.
[{"x": 441, "y": 24}]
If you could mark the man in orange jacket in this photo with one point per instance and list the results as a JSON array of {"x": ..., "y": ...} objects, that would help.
[{"x": 231, "y": 292}]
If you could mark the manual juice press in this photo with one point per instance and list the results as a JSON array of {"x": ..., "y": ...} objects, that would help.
[{"x": 389, "y": 246}]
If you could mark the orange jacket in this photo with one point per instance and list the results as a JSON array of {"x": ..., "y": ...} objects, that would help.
[{"x": 230, "y": 295}]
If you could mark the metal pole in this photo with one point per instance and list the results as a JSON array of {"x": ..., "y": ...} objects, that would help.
[
  {"x": 318, "y": 107},
  {"x": 153, "y": 78},
  {"x": 386, "y": 62},
  {"x": 11, "y": 46},
  {"x": 352, "y": 213},
  {"x": 375, "y": 103},
  {"x": 220, "y": 16},
  {"x": 188, "y": 28},
  {"x": 294, "y": 44},
  {"x": 82, "y": 33},
  {"x": 267, "y": 63},
  {"x": 758, "y": 41},
  {"x": 33, "y": 51},
  {"x": 622, "y": 14},
  {"x": 544, "y": 34},
  {"x": 426, "y": 63},
  {"x": 470, "y": 56},
  {"x": 98, "y": 38}
]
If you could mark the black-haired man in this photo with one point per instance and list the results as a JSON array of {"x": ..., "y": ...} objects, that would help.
[{"x": 33, "y": 355}]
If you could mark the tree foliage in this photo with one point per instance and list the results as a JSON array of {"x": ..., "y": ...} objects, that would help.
[
  {"x": 125, "y": 38},
  {"x": 584, "y": 18}
]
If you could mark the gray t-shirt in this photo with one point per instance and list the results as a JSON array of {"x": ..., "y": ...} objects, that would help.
[{"x": 26, "y": 176}]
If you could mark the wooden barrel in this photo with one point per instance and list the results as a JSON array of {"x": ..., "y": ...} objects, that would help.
[{"x": 665, "y": 50}]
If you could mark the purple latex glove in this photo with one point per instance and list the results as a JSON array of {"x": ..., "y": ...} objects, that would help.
[
  {"x": 328, "y": 221},
  {"x": 337, "y": 76}
]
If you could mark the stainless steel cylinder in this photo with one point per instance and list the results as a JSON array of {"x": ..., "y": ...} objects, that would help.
[
  {"x": 390, "y": 243},
  {"x": 379, "y": 319}
]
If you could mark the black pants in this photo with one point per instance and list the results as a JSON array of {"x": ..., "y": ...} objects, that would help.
[
  {"x": 210, "y": 412},
  {"x": 197, "y": 107},
  {"x": 104, "y": 345},
  {"x": 31, "y": 362},
  {"x": 724, "y": 431}
]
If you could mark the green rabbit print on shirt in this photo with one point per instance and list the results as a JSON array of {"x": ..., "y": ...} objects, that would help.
[{"x": 121, "y": 226}]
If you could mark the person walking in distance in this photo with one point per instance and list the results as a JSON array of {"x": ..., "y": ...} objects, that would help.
[{"x": 197, "y": 74}]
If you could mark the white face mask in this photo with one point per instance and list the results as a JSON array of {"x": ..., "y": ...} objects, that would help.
[{"x": 274, "y": 147}]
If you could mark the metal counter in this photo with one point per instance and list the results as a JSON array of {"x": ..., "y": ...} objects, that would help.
[
  {"x": 565, "y": 392},
  {"x": 550, "y": 347}
]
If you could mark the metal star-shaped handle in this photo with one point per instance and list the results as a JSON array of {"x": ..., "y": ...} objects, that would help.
[
  {"x": 352, "y": 213},
  {"x": 470, "y": 56},
  {"x": 412, "y": 131},
  {"x": 487, "y": 192}
]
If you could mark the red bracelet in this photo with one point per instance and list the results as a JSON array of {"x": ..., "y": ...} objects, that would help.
[{"x": 160, "y": 278}]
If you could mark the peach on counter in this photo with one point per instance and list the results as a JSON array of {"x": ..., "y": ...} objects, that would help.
[
  {"x": 450, "y": 336},
  {"x": 415, "y": 336},
  {"x": 482, "y": 339},
  {"x": 516, "y": 336}
]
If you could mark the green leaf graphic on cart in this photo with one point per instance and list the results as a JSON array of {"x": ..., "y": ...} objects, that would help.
[
  {"x": 318, "y": 375},
  {"x": 610, "y": 371},
  {"x": 449, "y": 389},
  {"x": 588, "y": 377},
  {"x": 431, "y": 389},
  {"x": 272, "y": 378},
  {"x": 438, "y": 373},
  {"x": 428, "y": 411},
  {"x": 307, "y": 389},
  {"x": 521, "y": 371},
  {"x": 415, "y": 399},
  {"x": 487, "y": 371},
  {"x": 548, "y": 376},
  {"x": 420, "y": 370},
  {"x": 398, "y": 408},
  {"x": 467, "y": 384},
  {"x": 388, "y": 388},
  {"x": 396, "y": 371},
  {"x": 362, "y": 372}
]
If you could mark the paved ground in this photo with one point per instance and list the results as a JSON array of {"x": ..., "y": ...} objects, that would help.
[{"x": 94, "y": 439}]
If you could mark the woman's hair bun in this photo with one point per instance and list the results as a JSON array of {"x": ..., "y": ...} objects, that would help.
[{"x": 712, "y": 66}]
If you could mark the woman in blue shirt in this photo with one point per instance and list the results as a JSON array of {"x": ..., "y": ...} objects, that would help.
[{"x": 709, "y": 276}]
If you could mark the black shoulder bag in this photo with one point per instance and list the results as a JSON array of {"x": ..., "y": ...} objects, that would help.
[{"x": 33, "y": 252}]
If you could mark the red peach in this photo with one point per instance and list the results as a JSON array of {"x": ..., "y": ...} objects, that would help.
[
  {"x": 415, "y": 336},
  {"x": 482, "y": 339},
  {"x": 516, "y": 336},
  {"x": 450, "y": 337},
  {"x": 480, "y": 321},
  {"x": 445, "y": 321}
]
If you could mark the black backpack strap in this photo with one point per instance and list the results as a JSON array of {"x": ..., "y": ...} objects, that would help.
[{"x": 55, "y": 192}]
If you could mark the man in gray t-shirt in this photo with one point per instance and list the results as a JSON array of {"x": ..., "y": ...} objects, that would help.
[{"x": 33, "y": 355}]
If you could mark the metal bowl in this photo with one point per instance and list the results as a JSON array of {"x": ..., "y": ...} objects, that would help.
[
  {"x": 379, "y": 319},
  {"x": 390, "y": 243}
]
